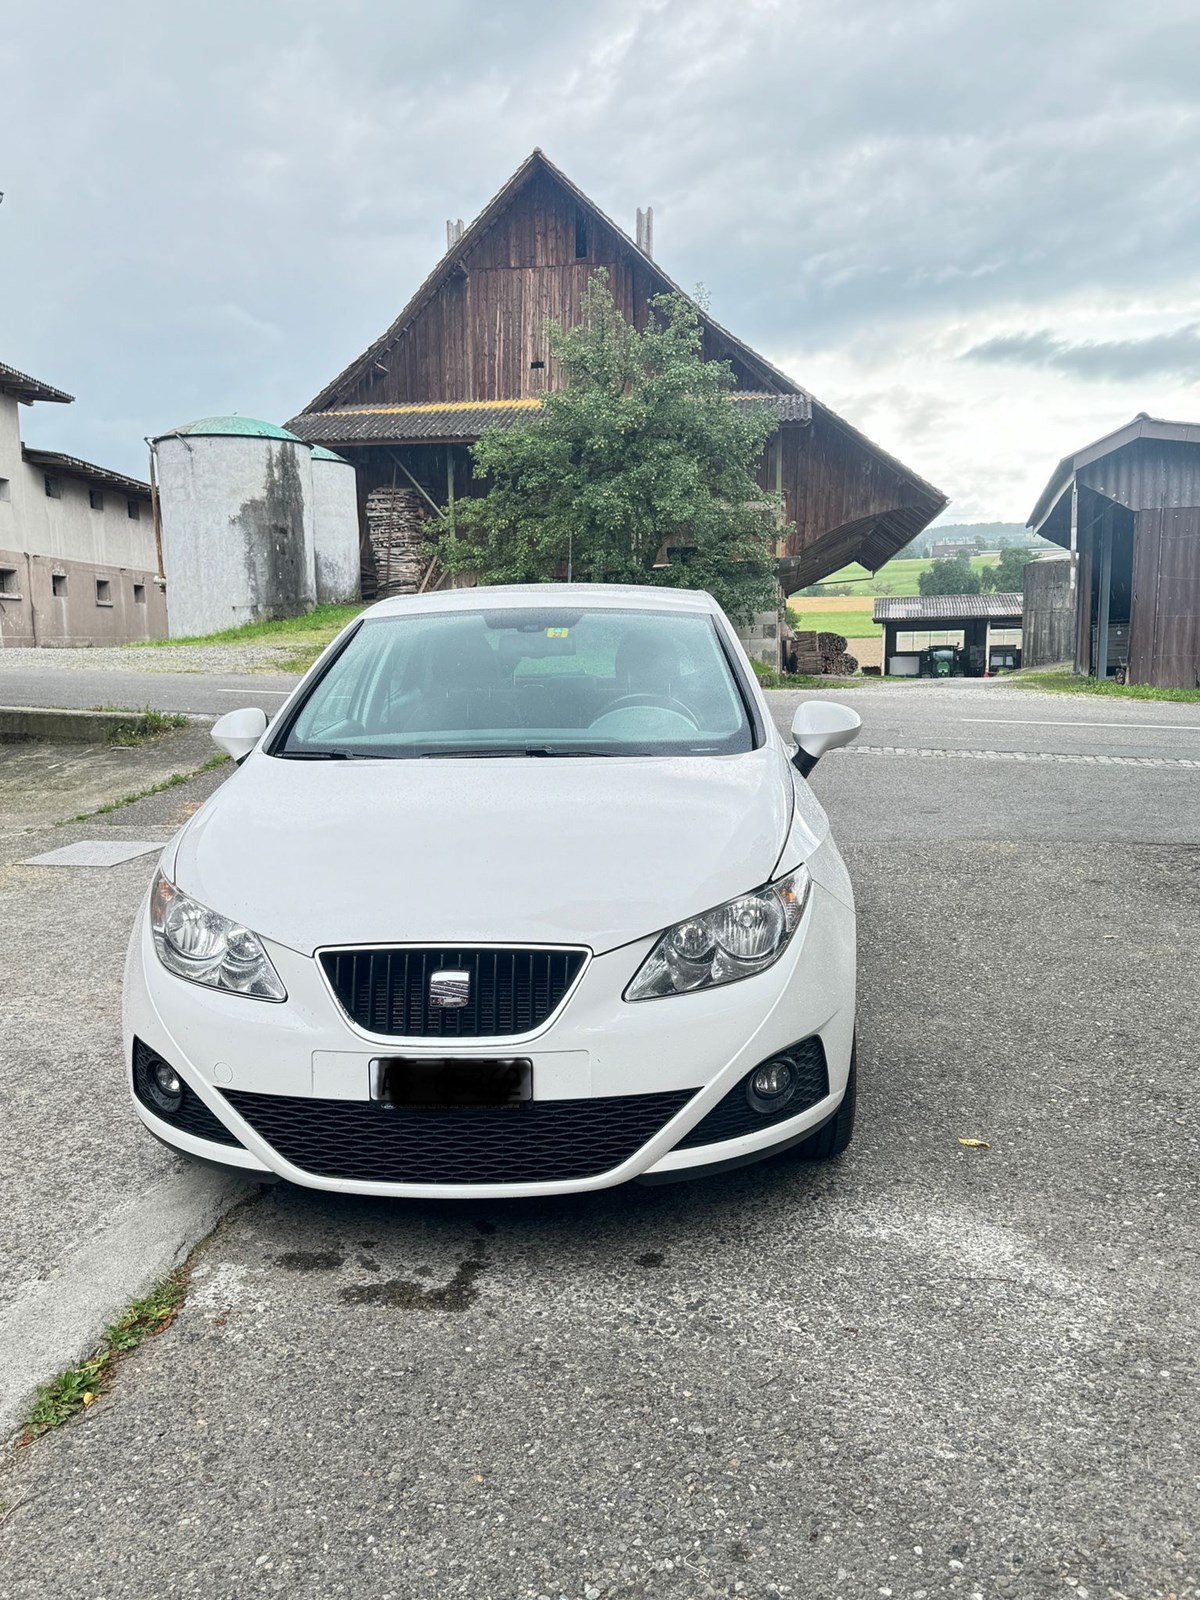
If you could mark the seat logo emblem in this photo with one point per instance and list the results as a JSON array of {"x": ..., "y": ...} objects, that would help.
[{"x": 449, "y": 990}]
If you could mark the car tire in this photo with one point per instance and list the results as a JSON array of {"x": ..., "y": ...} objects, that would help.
[{"x": 829, "y": 1141}]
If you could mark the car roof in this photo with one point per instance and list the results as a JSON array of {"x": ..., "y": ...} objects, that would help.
[{"x": 519, "y": 596}]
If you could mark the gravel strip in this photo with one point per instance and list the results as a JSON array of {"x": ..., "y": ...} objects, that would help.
[{"x": 230, "y": 658}]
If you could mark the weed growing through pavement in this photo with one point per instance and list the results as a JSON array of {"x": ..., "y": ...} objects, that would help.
[
  {"x": 73, "y": 1391},
  {"x": 143, "y": 726},
  {"x": 173, "y": 782}
]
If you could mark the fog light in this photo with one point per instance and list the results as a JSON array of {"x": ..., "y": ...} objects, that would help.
[
  {"x": 164, "y": 1088},
  {"x": 772, "y": 1085}
]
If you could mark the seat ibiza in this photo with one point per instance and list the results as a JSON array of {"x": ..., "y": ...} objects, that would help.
[{"x": 521, "y": 892}]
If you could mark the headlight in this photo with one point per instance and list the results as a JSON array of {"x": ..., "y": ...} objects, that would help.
[
  {"x": 732, "y": 941},
  {"x": 208, "y": 948}
]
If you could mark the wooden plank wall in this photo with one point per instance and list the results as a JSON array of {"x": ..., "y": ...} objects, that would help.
[
  {"x": 480, "y": 333},
  {"x": 1048, "y": 623},
  {"x": 1164, "y": 645}
]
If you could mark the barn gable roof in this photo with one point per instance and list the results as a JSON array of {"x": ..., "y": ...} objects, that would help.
[{"x": 537, "y": 162}]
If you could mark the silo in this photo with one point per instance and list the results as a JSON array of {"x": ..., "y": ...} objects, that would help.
[
  {"x": 335, "y": 527},
  {"x": 236, "y": 500}
]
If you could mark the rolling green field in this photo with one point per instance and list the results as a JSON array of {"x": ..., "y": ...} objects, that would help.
[{"x": 898, "y": 577}]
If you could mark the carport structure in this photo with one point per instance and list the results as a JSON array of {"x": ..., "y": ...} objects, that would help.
[
  {"x": 1127, "y": 507},
  {"x": 973, "y": 615}
]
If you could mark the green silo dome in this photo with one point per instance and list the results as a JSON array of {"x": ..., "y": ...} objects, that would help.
[
  {"x": 319, "y": 453},
  {"x": 234, "y": 428}
]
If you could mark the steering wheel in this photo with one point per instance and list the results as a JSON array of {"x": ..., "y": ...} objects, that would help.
[{"x": 664, "y": 702}]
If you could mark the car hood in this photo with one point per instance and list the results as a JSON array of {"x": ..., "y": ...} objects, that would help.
[{"x": 526, "y": 850}]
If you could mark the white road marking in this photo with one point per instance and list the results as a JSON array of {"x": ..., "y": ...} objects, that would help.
[
  {"x": 1044, "y": 722},
  {"x": 279, "y": 692}
]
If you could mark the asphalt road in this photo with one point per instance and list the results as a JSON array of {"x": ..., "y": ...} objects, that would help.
[
  {"x": 196, "y": 692},
  {"x": 928, "y": 1371}
]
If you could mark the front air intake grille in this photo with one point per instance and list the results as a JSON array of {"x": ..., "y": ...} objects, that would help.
[
  {"x": 544, "y": 1141},
  {"x": 508, "y": 991},
  {"x": 734, "y": 1115},
  {"x": 193, "y": 1115}
]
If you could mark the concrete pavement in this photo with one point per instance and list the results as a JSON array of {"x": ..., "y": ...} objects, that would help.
[{"x": 930, "y": 1371}]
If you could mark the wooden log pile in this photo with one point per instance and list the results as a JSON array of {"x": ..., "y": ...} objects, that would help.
[
  {"x": 396, "y": 529},
  {"x": 808, "y": 653},
  {"x": 834, "y": 659}
]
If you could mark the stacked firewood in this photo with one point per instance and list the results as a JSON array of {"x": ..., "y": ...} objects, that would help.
[
  {"x": 807, "y": 653},
  {"x": 834, "y": 659},
  {"x": 396, "y": 528}
]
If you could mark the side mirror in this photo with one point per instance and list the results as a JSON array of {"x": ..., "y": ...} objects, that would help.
[
  {"x": 237, "y": 732},
  {"x": 818, "y": 726}
]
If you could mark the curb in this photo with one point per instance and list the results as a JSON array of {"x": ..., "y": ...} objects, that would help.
[{"x": 57, "y": 1322}]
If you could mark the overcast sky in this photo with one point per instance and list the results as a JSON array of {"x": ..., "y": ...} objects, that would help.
[{"x": 971, "y": 227}]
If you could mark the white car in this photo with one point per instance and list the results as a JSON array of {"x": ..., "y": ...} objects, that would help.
[{"x": 520, "y": 893}]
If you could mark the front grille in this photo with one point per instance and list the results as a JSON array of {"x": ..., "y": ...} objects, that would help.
[
  {"x": 544, "y": 1141},
  {"x": 733, "y": 1115},
  {"x": 193, "y": 1115},
  {"x": 511, "y": 991}
]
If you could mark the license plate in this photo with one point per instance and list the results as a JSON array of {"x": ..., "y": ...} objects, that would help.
[{"x": 400, "y": 1082}]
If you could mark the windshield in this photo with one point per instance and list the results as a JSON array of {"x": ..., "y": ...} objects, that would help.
[{"x": 542, "y": 682}]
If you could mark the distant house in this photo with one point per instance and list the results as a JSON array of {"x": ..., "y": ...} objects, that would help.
[
  {"x": 469, "y": 351},
  {"x": 77, "y": 549}
]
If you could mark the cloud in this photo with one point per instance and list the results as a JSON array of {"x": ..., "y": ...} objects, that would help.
[
  {"x": 853, "y": 184},
  {"x": 1176, "y": 353}
]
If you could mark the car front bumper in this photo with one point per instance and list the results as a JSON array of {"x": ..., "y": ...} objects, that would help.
[{"x": 596, "y": 1047}]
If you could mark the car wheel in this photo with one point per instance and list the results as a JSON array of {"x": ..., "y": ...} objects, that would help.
[{"x": 837, "y": 1133}]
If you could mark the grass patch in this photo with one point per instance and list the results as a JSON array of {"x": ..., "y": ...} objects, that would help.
[
  {"x": 853, "y": 623},
  {"x": 896, "y": 577},
  {"x": 1071, "y": 683},
  {"x": 73, "y": 1391},
  {"x": 316, "y": 627},
  {"x": 173, "y": 782},
  {"x": 768, "y": 678},
  {"x": 143, "y": 726}
]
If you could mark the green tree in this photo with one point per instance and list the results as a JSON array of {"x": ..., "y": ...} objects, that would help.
[
  {"x": 1006, "y": 576},
  {"x": 954, "y": 576},
  {"x": 640, "y": 451}
]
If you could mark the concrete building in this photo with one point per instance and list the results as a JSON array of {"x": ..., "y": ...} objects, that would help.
[
  {"x": 78, "y": 562},
  {"x": 335, "y": 527},
  {"x": 236, "y": 504}
]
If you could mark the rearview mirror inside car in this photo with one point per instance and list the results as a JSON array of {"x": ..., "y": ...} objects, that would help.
[
  {"x": 818, "y": 726},
  {"x": 237, "y": 732}
]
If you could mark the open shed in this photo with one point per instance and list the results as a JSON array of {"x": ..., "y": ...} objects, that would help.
[
  {"x": 1127, "y": 507},
  {"x": 906, "y": 619}
]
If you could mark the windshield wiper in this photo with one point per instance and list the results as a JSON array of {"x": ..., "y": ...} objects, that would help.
[
  {"x": 323, "y": 755},
  {"x": 494, "y": 751}
]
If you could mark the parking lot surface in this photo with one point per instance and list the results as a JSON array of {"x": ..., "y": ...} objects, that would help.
[{"x": 930, "y": 1370}]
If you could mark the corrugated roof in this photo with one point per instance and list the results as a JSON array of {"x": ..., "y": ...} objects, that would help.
[
  {"x": 1143, "y": 426},
  {"x": 465, "y": 420},
  {"x": 29, "y": 389},
  {"x": 233, "y": 427},
  {"x": 73, "y": 467},
  {"x": 946, "y": 607}
]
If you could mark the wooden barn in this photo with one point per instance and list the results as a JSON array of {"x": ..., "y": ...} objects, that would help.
[
  {"x": 469, "y": 351},
  {"x": 1128, "y": 509}
]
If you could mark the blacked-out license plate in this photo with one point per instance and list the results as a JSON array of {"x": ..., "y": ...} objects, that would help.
[{"x": 505, "y": 1083}]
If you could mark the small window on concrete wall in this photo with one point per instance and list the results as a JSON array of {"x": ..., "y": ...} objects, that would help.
[
  {"x": 96, "y": 499},
  {"x": 53, "y": 488},
  {"x": 139, "y": 594},
  {"x": 8, "y": 580},
  {"x": 134, "y": 508},
  {"x": 5, "y": 489},
  {"x": 103, "y": 592},
  {"x": 58, "y": 583}
]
